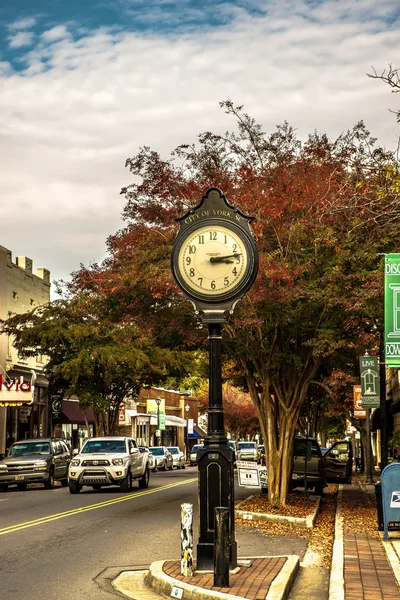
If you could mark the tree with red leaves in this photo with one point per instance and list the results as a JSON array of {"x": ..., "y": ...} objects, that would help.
[{"x": 325, "y": 211}]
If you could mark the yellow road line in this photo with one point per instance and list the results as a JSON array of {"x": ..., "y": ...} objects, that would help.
[{"x": 82, "y": 509}]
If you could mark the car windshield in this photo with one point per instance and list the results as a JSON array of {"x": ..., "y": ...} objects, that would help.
[
  {"x": 174, "y": 450},
  {"x": 195, "y": 448},
  {"x": 99, "y": 446},
  {"x": 157, "y": 451},
  {"x": 247, "y": 445},
  {"x": 29, "y": 448},
  {"x": 300, "y": 448}
]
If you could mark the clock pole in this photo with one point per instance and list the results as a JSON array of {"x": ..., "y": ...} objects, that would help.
[
  {"x": 214, "y": 261},
  {"x": 215, "y": 463}
]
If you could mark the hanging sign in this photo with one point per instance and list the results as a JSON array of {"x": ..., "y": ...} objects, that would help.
[
  {"x": 121, "y": 416},
  {"x": 392, "y": 310},
  {"x": 369, "y": 376},
  {"x": 358, "y": 411},
  {"x": 14, "y": 392}
]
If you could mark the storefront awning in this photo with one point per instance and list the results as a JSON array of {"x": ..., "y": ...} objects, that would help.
[
  {"x": 72, "y": 413},
  {"x": 170, "y": 420},
  {"x": 197, "y": 433}
]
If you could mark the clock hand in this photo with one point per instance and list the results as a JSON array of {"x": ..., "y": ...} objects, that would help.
[{"x": 218, "y": 259}]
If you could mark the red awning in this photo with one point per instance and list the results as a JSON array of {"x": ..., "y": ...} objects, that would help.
[{"x": 73, "y": 414}]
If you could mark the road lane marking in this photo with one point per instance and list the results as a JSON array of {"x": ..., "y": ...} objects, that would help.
[{"x": 82, "y": 509}]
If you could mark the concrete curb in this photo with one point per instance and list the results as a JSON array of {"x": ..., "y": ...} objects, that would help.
[
  {"x": 162, "y": 583},
  {"x": 281, "y": 585},
  {"x": 307, "y": 522},
  {"x": 336, "y": 583}
]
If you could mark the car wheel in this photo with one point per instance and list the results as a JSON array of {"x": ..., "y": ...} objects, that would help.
[
  {"x": 21, "y": 486},
  {"x": 50, "y": 482},
  {"x": 126, "y": 484},
  {"x": 3, "y": 487},
  {"x": 154, "y": 470},
  {"x": 144, "y": 480},
  {"x": 64, "y": 482},
  {"x": 183, "y": 466},
  {"x": 74, "y": 487}
]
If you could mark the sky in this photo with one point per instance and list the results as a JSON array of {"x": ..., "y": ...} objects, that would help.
[{"x": 85, "y": 83}]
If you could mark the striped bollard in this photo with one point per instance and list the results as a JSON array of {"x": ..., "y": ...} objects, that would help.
[{"x": 187, "y": 540}]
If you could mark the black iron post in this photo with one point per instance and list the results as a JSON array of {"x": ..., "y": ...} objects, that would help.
[
  {"x": 383, "y": 406},
  {"x": 158, "y": 439},
  {"x": 368, "y": 477},
  {"x": 215, "y": 464},
  {"x": 187, "y": 408},
  {"x": 221, "y": 554}
]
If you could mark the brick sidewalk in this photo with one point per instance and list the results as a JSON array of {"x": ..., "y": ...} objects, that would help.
[
  {"x": 251, "y": 582},
  {"x": 367, "y": 573}
]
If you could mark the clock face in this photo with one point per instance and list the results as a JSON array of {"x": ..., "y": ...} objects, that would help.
[{"x": 212, "y": 261}]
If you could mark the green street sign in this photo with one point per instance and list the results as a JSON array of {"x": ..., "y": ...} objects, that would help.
[
  {"x": 369, "y": 377},
  {"x": 392, "y": 310},
  {"x": 162, "y": 421}
]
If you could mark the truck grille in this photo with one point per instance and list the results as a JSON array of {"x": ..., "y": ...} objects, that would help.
[
  {"x": 93, "y": 462},
  {"x": 22, "y": 468}
]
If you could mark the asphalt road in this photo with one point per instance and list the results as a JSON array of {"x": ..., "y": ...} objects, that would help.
[{"x": 54, "y": 545}]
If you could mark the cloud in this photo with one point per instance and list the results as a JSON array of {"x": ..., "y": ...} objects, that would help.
[
  {"x": 25, "y": 23},
  {"x": 55, "y": 33},
  {"x": 84, "y": 102},
  {"x": 20, "y": 39}
]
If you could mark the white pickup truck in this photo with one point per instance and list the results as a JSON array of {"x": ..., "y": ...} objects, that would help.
[{"x": 105, "y": 461}]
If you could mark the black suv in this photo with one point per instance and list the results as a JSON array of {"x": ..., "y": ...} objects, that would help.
[
  {"x": 312, "y": 469},
  {"x": 43, "y": 460}
]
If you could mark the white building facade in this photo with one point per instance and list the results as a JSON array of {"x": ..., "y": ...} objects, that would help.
[{"x": 23, "y": 391}]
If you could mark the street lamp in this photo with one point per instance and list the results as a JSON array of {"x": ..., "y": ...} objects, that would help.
[
  {"x": 187, "y": 408},
  {"x": 158, "y": 402}
]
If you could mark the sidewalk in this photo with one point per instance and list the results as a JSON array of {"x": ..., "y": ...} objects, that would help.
[{"x": 363, "y": 568}]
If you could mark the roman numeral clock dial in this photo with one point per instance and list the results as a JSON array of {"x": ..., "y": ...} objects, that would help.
[{"x": 212, "y": 261}]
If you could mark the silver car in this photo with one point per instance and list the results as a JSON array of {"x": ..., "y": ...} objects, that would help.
[
  {"x": 150, "y": 456},
  {"x": 163, "y": 457},
  {"x": 177, "y": 456},
  {"x": 193, "y": 454}
]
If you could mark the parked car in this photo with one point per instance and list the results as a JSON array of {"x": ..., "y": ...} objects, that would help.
[
  {"x": 106, "y": 461},
  {"x": 39, "y": 460},
  {"x": 261, "y": 451},
  {"x": 248, "y": 451},
  {"x": 332, "y": 467},
  {"x": 178, "y": 458},
  {"x": 150, "y": 456},
  {"x": 163, "y": 457},
  {"x": 232, "y": 444},
  {"x": 193, "y": 454}
]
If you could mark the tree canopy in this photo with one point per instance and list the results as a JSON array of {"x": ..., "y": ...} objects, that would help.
[{"x": 325, "y": 211}]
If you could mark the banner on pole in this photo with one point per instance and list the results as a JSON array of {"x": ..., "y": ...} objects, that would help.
[
  {"x": 358, "y": 410},
  {"x": 369, "y": 376},
  {"x": 392, "y": 310}
]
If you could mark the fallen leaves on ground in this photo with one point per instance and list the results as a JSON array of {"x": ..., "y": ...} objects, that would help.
[
  {"x": 359, "y": 515},
  {"x": 320, "y": 537}
]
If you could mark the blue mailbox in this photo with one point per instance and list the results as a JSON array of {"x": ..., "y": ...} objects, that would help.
[{"x": 390, "y": 481}]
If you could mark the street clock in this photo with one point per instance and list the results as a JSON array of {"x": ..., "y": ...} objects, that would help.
[{"x": 214, "y": 258}]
